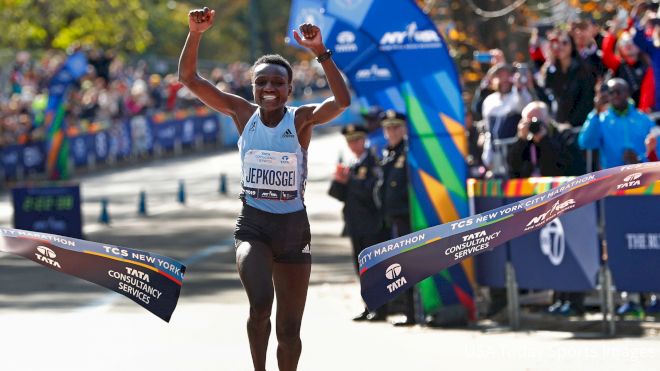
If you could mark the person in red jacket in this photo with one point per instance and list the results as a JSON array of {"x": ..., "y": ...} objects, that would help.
[{"x": 628, "y": 65}]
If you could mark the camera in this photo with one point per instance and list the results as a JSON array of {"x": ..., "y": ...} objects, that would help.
[{"x": 535, "y": 126}]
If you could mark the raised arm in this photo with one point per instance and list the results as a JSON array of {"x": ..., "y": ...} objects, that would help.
[
  {"x": 239, "y": 109},
  {"x": 333, "y": 106}
]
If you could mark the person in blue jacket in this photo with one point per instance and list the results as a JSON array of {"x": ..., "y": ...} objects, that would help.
[{"x": 618, "y": 131}]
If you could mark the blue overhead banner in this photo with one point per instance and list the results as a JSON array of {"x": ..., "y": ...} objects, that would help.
[{"x": 394, "y": 58}]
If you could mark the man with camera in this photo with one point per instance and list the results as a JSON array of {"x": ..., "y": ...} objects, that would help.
[
  {"x": 618, "y": 131},
  {"x": 538, "y": 150}
]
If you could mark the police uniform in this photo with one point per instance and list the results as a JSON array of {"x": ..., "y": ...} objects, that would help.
[
  {"x": 363, "y": 223},
  {"x": 393, "y": 185},
  {"x": 392, "y": 191}
]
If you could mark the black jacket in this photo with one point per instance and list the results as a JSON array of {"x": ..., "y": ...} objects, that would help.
[
  {"x": 361, "y": 216},
  {"x": 393, "y": 185}
]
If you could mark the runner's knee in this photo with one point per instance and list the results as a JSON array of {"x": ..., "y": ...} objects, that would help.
[
  {"x": 288, "y": 332},
  {"x": 260, "y": 308}
]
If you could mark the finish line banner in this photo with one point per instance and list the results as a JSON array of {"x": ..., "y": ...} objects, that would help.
[
  {"x": 151, "y": 280},
  {"x": 389, "y": 268}
]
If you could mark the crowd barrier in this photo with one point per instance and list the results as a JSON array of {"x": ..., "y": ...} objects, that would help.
[
  {"x": 134, "y": 138},
  {"x": 566, "y": 254}
]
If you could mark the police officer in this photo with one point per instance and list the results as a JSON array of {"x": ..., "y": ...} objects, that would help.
[
  {"x": 392, "y": 188},
  {"x": 354, "y": 186}
]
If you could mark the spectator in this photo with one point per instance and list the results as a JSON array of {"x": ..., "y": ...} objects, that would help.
[
  {"x": 538, "y": 150},
  {"x": 649, "y": 44},
  {"x": 628, "y": 65},
  {"x": 567, "y": 83},
  {"x": 585, "y": 32},
  {"x": 501, "y": 112},
  {"x": 618, "y": 132},
  {"x": 485, "y": 87},
  {"x": 354, "y": 186}
]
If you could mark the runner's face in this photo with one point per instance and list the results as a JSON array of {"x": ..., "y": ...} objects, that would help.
[{"x": 270, "y": 86}]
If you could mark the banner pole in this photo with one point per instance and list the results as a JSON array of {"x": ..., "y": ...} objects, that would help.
[
  {"x": 606, "y": 285},
  {"x": 512, "y": 296}
]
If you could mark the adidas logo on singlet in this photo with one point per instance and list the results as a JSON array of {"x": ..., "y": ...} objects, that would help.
[
  {"x": 288, "y": 134},
  {"x": 306, "y": 250}
]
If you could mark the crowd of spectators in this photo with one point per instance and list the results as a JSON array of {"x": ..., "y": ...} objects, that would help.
[
  {"x": 112, "y": 90},
  {"x": 583, "y": 100},
  {"x": 583, "y": 72}
]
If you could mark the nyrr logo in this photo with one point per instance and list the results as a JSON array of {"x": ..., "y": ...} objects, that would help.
[
  {"x": 373, "y": 73},
  {"x": 411, "y": 38},
  {"x": 394, "y": 272},
  {"x": 346, "y": 42},
  {"x": 631, "y": 181},
  {"x": 46, "y": 255},
  {"x": 557, "y": 209},
  {"x": 552, "y": 241}
]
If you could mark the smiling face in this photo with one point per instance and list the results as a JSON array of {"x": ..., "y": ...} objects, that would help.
[{"x": 270, "y": 86}]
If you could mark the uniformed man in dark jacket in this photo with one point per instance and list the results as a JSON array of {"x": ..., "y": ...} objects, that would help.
[
  {"x": 392, "y": 188},
  {"x": 354, "y": 186}
]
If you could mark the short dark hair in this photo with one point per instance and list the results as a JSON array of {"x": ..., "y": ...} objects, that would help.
[{"x": 274, "y": 59}]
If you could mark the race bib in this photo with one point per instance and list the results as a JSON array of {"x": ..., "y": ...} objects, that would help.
[{"x": 270, "y": 175}]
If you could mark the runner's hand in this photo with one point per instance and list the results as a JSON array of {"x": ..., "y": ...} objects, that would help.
[
  {"x": 200, "y": 20},
  {"x": 311, "y": 38}
]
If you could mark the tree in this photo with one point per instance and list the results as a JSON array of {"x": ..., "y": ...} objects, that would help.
[{"x": 43, "y": 24}]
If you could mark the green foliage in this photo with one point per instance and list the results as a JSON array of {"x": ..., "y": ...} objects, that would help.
[
  {"x": 121, "y": 24},
  {"x": 146, "y": 26}
]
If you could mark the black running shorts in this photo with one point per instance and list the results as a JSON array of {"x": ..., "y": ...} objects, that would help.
[{"x": 287, "y": 235}]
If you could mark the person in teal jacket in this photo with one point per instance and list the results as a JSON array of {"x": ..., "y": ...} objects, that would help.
[{"x": 619, "y": 131}]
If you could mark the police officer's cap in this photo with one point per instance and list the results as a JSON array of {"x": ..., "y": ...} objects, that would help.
[
  {"x": 392, "y": 118},
  {"x": 353, "y": 132}
]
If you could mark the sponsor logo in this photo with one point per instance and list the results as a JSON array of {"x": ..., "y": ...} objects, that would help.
[
  {"x": 553, "y": 243},
  {"x": 373, "y": 73},
  {"x": 472, "y": 243},
  {"x": 253, "y": 127},
  {"x": 631, "y": 181},
  {"x": 411, "y": 38},
  {"x": 393, "y": 272},
  {"x": 557, "y": 209},
  {"x": 48, "y": 256},
  {"x": 306, "y": 249},
  {"x": 346, "y": 42},
  {"x": 288, "y": 134}
]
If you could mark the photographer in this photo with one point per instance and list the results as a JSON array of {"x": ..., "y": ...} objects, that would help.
[{"x": 538, "y": 150}]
